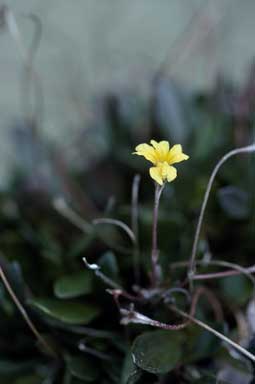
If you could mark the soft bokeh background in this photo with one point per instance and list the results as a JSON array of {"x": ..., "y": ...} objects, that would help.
[{"x": 88, "y": 47}]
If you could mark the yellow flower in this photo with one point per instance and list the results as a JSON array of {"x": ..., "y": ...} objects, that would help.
[{"x": 162, "y": 157}]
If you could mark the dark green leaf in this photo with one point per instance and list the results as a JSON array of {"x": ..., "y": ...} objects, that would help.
[
  {"x": 200, "y": 343},
  {"x": 70, "y": 312},
  {"x": 157, "y": 352},
  {"x": 70, "y": 286},
  {"x": 130, "y": 372},
  {"x": 109, "y": 265}
]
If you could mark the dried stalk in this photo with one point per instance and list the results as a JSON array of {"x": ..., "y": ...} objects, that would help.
[{"x": 25, "y": 316}]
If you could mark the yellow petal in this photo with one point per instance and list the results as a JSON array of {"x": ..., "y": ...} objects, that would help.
[
  {"x": 146, "y": 151},
  {"x": 175, "y": 155},
  {"x": 155, "y": 173},
  {"x": 161, "y": 149},
  {"x": 168, "y": 172}
]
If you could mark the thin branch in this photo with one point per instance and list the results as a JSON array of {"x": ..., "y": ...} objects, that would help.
[
  {"x": 239, "y": 269},
  {"x": 117, "y": 289},
  {"x": 222, "y": 337},
  {"x": 117, "y": 223},
  {"x": 25, "y": 316},
  {"x": 228, "y": 273},
  {"x": 236, "y": 269},
  {"x": 234, "y": 152}
]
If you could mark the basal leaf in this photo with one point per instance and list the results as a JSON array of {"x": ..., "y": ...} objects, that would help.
[
  {"x": 71, "y": 312},
  {"x": 73, "y": 285},
  {"x": 157, "y": 352}
]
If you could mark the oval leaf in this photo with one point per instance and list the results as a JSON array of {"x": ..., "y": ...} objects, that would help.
[
  {"x": 70, "y": 286},
  {"x": 69, "y": 312},
  {"x": 157, "y": 352},
  {"x": 130, "y": 372}
]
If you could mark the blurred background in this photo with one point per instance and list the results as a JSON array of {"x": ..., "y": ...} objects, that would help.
[{"x": 85, "y": 49}]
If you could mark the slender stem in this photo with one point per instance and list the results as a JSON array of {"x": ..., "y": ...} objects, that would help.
[
  {"x": 24, "y": 314},
  {"x": 108, "y": 281},
  {"x": 236, "y": 269},
  {"x": 247, "y": 149},
  {"x": 218, "y": 275},
  {"x": 238, "y": 347},
  {"x": 154, "y": 250},
  {"x": 118, "y": 223}
]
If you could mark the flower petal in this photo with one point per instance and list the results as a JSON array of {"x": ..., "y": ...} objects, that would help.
[
  {"x": 146, "y": 151},
  {"x": 161, "y": 149},
  {"x": 168, "y": 172},
  {"x": 155, "y": 174},
  {"x": 175, "y": 155}
]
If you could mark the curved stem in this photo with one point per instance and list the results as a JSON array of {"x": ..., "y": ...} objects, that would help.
[
  {"x": 247, "y": 149},
  {"x": 118, "y": 223}
]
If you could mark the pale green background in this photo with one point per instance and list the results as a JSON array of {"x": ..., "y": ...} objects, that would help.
[{"x": 93, "y": 45}]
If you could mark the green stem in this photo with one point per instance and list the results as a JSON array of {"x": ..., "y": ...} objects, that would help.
[{"x": 155, "y": 273}]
